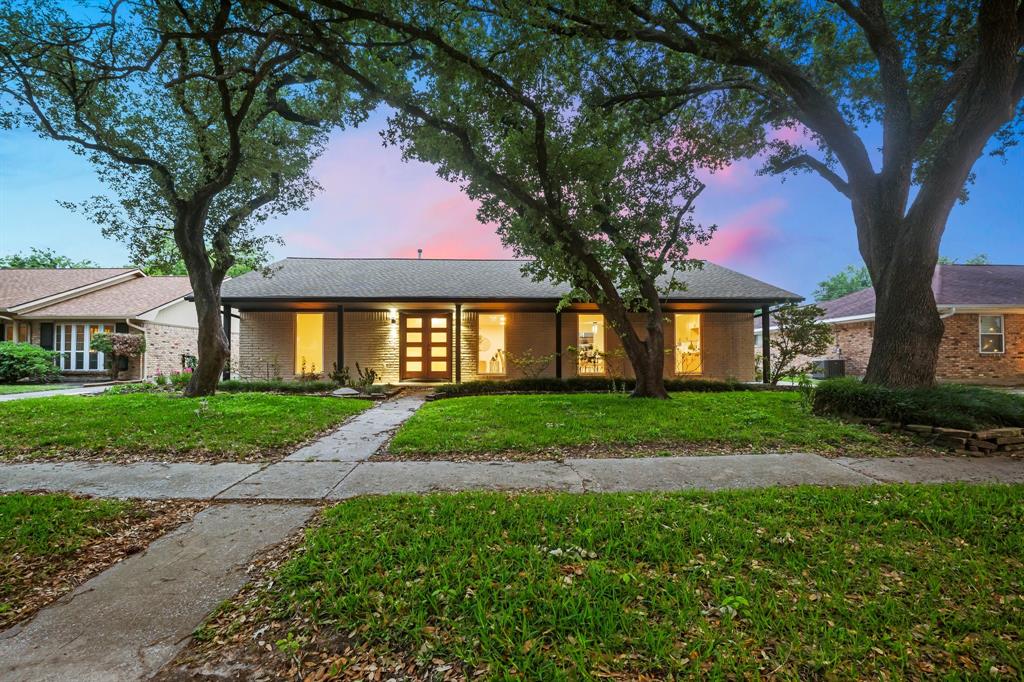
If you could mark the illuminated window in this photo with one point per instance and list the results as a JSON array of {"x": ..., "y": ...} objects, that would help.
[
  {"x": 590, "y": 342},
  {"x": 73, "y": 343},
  {"x": 491, "y": 345},
  {"x": 309, "y": 343},
  {"x": 990, "y": 333},
  {"x": 687, "y": 345}
]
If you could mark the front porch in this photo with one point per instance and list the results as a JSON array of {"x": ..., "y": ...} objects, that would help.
[{"x": 421, "y": 342}]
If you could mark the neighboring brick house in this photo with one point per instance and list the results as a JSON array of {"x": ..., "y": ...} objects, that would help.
[
  {"x": 455, "y": 320},
  {"x": 60, "y": 309},
  {"x": 982, "y": 308}
]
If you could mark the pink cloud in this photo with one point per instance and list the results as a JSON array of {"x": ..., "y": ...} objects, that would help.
[
  {"x": 744, "y": 236},
  {"x": 376, "y": 204}
]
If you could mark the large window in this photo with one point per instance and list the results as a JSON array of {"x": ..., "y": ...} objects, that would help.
[
  {"x": 309, "y": 343},
  {"x": 73, "y": 343},
  {"x": 491, "y": 345},
  {"x": 7, "y": 332},
  {"x": 990, "y": 333},
  {"x": 687, "y": 344},
  {"x": 590, "y": 344}
]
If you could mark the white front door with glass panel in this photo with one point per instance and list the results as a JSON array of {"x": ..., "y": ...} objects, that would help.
[{"x": 72, "y": 342}]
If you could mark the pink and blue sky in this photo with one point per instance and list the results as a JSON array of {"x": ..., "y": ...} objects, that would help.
[{"x": 792, "y": 233}]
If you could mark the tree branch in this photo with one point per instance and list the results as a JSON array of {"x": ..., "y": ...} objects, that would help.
[{"x": 820, "y": 167}]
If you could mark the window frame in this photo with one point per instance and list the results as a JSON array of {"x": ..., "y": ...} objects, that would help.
[
  {"x": 1001, "y": 334},
  {"x": 602, "y": 365},
  {"x": 700, "y": 343},
  {"x": 296, "y": 363},
  {"x": 504, "y": 344},
  {"x": 66, "y": 346}
]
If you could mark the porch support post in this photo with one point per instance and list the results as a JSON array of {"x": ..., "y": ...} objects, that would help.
[
  {"x": 558, "y": 344},
  {"x": 458, "y": 343},
  {"x": 227, "y": 332},
  {"x": 341, "y": 338},
  {"x": 766, "y": 348}
]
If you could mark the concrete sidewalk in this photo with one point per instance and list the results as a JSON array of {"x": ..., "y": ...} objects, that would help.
[
  {"x": 133, "y": 618},
  {"x": 318, "y": 480},
  {"x": 78, "y": 390}
]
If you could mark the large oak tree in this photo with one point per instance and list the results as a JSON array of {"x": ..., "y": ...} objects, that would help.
[
  {"x": 197, "y": 118},
  {"x": 599, "y": 199},
  {"x": 938, "y": 83}
]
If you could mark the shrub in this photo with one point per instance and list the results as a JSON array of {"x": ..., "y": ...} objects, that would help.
[
  {"x": 23, "y": 361},
  {"x": 947, "y": 405},
  {"x": 118, "y": 346},
  {"x": 579, "y": 385},
  {"x": 240, "y": 386},
  {"x": 179, "y": 380}
]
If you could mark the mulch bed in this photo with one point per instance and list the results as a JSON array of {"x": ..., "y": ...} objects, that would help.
[
  {"x": 892, "y": 445},
  {"x": 239, "y": 642},
  {"x": 39, "y": 585}
]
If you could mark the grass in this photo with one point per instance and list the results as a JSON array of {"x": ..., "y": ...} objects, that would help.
[
  {"x": 248, "y": 424},
  {"x": 9, "y": 389},
  {"x": 874, "y": 582},
  {"x": 745, "y": 420},
  {"x": 48, "y": 527}
]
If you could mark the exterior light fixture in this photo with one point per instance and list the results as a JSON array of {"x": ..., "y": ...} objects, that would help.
[{"x": 394, "y": 315}]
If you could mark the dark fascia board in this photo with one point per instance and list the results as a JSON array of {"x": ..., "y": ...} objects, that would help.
[{"x": 263, "y": 302}]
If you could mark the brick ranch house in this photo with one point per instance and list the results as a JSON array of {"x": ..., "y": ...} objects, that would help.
[
  {"x": 416, "y": 320},
  {"x": 60, "y": 310},
  {"x": 982, "y": 308}
]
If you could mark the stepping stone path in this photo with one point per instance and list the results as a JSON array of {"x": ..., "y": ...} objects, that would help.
[{"x": 362, "y": 435}]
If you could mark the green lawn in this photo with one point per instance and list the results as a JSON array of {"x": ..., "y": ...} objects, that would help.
[
  {"x": 223, "y": 426},
  {"x": 893, "y": 581},
  {"x": 742, "y": 419},
  {"x": 38, "y": 535},
  {"x": 8, "y": 389}
]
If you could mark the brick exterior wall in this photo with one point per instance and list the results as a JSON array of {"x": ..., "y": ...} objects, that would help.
[
  {"x": 266, "y": 343},
  {"x": 959, "y": 357},
  {"x": 165, "y": 344}
]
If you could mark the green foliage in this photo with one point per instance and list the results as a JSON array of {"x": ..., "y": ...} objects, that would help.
[
  {"x": 26, "y": 362},
  {"x": 165, "y": 259},
  {"x": 117, "y": 346},
  {"x": 245, "y": 426},
  {"x": 852, "y": 279},
  {"x": 42, "y": 258},
  {"x": 577, "y": 385},
  {"x": 744, "y": 421},
  {"x": 366, "y": 378},
  {"x": 257, "y": 386},
  {"x": 341, "y": 376},
  {"x": 876, "y": 582},
  {"x": 980, "y": 259},
  {"x": 798, "y": 336},
  {"x": 947, "y": 405}
]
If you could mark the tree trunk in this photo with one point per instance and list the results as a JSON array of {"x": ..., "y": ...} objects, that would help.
[
  {"x": 213, "y": 347},
  {"x": 646, "y": 356},
  {"x": 907, "y": 329}
]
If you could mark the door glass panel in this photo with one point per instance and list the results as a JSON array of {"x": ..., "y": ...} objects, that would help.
[
  {"x": 414, "y": 351},
  {"x": 438, "y": 366},
  {"x": 439, "y": 351},
  {"x": 439, "y": 322},
  {"x": 439, "y": 337},
  {"x": 413, "y": 337},
  {"x": 413, "y": 366},
  {"x": 414, "y": 322}
]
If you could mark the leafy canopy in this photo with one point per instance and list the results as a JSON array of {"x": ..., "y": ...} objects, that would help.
[{"x": 42, "y": 259}]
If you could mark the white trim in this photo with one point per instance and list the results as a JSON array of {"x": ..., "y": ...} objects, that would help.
[
  {"x": 1001, "y": 335},
  {"x": 52, "y": 299},
  {"x": 150, "y": 315}
]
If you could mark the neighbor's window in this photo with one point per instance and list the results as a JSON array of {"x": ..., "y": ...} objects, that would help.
[
  {"x": 309, "y": 343},
  {"x": 492, "y": 345},
  {"x": 687, "y": 346},
  {"x": 990, "y": 333},
  {"x": 590, "y": 342}
]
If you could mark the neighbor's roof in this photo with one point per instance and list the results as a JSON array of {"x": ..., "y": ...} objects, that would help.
[
  {"x": 21, "y": 286},
  {"x": 128, "y": 299},
  {"x": 954, "y": 285},
  {"x": 394, "y": 279}
]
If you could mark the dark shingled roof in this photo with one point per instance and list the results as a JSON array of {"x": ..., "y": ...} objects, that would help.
[
  {"x": 954, "y": 285},
  {"x": 450, "y": 279}
]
